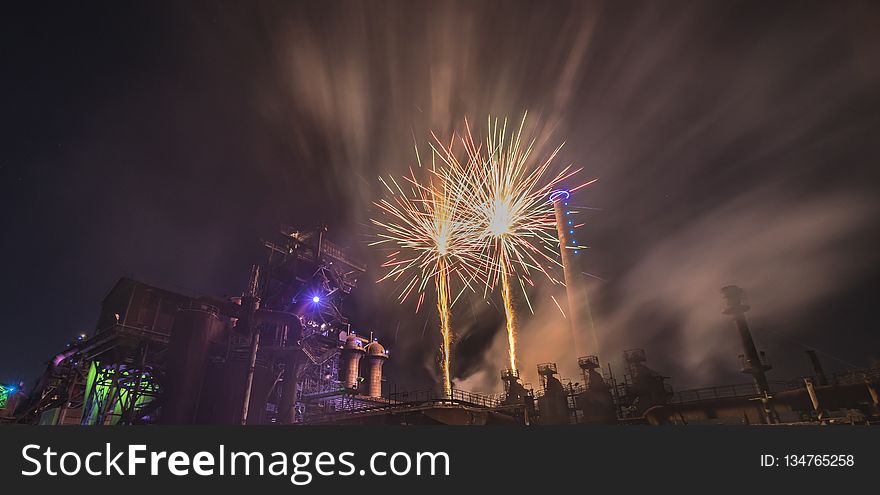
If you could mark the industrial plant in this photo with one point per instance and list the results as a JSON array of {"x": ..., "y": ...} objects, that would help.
[{"x": 283, "y": 353}]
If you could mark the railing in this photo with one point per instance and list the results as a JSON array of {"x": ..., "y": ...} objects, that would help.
[
  {"x": 721, "y": 392},
  {"x": 458, "y": 396},
  {"x": 346, "y": 404},
  {"x": 855, "y": 377},
  {"x": 118, "y": 329},
  {"x": 199, "y": 306}
]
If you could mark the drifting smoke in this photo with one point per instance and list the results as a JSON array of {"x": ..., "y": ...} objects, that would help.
[
  {"x": 788, "y": 259},
  {"x": 732, "y": 144}
]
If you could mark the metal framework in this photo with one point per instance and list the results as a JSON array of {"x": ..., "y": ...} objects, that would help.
[
  {"x": 118, "y": 394},
  {"x": 309, "y": 275}
]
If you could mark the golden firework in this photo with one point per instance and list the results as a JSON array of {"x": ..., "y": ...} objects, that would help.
[
  {"x": 504, "y": 199},
  {"x": 432, "y": 243}
]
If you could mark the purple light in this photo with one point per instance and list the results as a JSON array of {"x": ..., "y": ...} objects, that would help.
[
  {"x": 559, "y": 194},
  {"x": 316, "y": 299}
]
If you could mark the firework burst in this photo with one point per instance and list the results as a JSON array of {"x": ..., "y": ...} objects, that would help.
[
  {"x": 431, "y": 242},
  {"x": 504, "y": 200}
]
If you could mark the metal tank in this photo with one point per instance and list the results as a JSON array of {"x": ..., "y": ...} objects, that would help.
[
  {"x": 197, "y": 326},
  {"x": 352, "y": 352},
  {"x": 224, "y": 389},
  {"x": 376, "y": 356}
]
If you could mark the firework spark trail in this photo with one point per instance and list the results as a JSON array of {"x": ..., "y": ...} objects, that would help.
[
  {"x": 442, "y": 282},
  {"x": 509, "y": 318},
  {"x": 558, "y": 306}
]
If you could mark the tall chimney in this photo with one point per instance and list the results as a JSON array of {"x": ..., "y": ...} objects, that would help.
[
  {"x": 580, "y": 318},
  {"x": 376, "y": 356},
  {"x": 752, "y": 362},
  {"x": 352, "y": 352}
]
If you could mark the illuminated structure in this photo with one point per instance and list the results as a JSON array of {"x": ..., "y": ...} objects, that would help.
[
  {"x": 5, "y": 392},
  {"x": 162, "y": 356},
  {"x": 352, "y": 352},
  {"x": 580, "y": 318},
  {"x": 270, "y": 356},
  {"x": 376, "y": 356}
]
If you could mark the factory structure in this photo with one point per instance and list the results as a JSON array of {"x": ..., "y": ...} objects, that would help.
[{"x": 283, "y": 353}]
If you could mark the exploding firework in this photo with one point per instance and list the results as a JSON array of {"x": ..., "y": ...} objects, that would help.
[
  {"x": 505, "y": 201},
  {"x": 422, "y": 222}
]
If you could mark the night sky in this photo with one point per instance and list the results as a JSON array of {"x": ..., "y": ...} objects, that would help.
[{"x": 734, "y": 143}]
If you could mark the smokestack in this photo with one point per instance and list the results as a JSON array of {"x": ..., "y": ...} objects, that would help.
[
  {"x": 588, "y": 366},
  {"x": 513, "y": 391},
  {"x": 553, "y": 405},
  {"x": 352, "y": 352},
  {"x": 752, "y": 362},
  {"x": 516, "y": 394},
  {"x": 596, "y": 401},
  {"x": 580, "y": 318},
  {"x": 376, "y": 356}
]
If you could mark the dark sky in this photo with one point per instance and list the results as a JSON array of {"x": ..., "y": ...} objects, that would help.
[{"x": 734, "y": 143}]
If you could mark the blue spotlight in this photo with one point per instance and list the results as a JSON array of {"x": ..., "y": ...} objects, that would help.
[
  {"x": 316, "y": 299},
  {"x": 559, "y": 194}
]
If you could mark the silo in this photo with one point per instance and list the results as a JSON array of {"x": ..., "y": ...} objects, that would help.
[
  {"x": 376, "y": 356},
  {"x": 352, "y": 352},
  {"x": 196, "y": 327}
]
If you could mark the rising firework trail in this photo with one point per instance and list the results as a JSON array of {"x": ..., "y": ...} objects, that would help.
[
  {"x": 431, "y": 243},
  {"x": 505, "y": 200}
]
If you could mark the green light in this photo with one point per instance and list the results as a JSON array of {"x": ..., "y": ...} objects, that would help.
[{"x": 100, "y": 389}]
